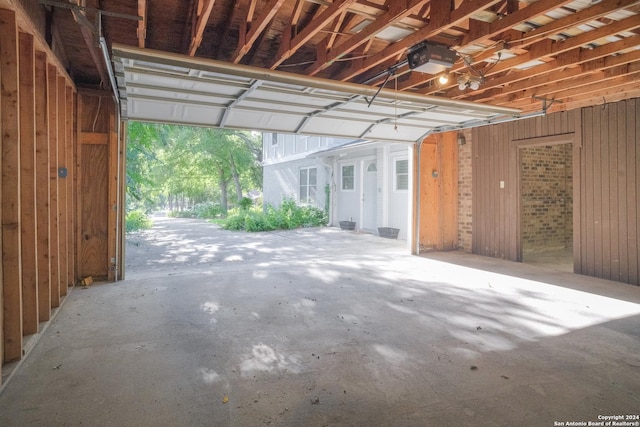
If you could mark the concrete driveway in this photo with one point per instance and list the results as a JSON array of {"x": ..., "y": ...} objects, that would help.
[{"x": 321, "y": 327}]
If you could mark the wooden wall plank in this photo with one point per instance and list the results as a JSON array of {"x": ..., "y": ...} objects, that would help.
[
  {"x": 114, "y": 185},
  {"x": 599, "y": 135},
  {"x": 428, "y": 194},
  {"x": 62, "y": 187},
  {"x": 622, "y": 178},
  {"x": 512, "y": 189},
  {"x": 614, "y": 202},
  {"x": 578, "y": 185},
  {"x": 70, "y": 165},
  {"x": 633, "y": 188},
  {"x": 94, "y": 207},
  {"x": 633, "y": 122},
  {"x": 42, "y": 187},
  {"x": 28, "y": 185},
  {"x": 588, "y": 240},
  {"x": 54, "y": 250},
  {"x": 607, "y": 132},
  {"x": 97, "y": 187},
  {"x": 10, "y": 124}
]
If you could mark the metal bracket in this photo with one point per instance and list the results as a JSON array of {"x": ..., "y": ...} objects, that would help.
[{"x": 545, "y": 106}]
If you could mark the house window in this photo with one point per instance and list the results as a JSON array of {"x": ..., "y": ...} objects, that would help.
[
  {"x": 348, "y": 177},
  {"x": 401, "y": 175},
  {"x": 308, "y": 185}
]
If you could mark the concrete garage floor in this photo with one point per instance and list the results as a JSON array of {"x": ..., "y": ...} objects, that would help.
[{"x": 321, "y": 327}]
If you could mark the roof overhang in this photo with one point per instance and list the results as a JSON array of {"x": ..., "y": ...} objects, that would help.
[{"x": 163, "y": 87}]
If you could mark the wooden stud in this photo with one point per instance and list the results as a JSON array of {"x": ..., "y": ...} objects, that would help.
[
  {"x": 10, "y": 124},
  {"x": 42, "y": 187},
  {"x": 52, "y": 107},
  {"x": 62, "y": 187},
  {"x": 69, "y": 162},
  {"x": 28, "y": 185},
  {"x": 114, "y": 182}
]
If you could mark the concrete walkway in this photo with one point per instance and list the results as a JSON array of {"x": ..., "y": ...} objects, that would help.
[{"x": 321, "y": 327}]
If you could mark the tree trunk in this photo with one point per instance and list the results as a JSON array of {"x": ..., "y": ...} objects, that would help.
[
  {"x": 236, "y": 179},
  {"x": 223, "y": 193}
]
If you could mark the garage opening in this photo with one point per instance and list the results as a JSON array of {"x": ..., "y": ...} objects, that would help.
[{"x": 546, "y": 188}]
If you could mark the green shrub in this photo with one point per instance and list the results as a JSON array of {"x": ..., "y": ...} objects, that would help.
[
  {"x": 207, "y": 210},
  {"x": 183, "y": 214},
  {"x": 290, "y": 215},
  {"x": 137, "y": 220},
  {"x": 245, "y": 203}
]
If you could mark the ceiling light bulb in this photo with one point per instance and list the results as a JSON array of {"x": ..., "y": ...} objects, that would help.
[
  {"x": 474, "y": 85},
  {"x": 443, "y": 79},
  {"x": 462, "y": 85}
]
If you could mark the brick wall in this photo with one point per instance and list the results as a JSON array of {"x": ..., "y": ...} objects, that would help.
[
  {"x": 547, "y": 197},
  {"x": 465, "y": 212}
]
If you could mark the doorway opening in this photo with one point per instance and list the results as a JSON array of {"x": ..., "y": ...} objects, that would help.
[{"x": 546, "y": 188}]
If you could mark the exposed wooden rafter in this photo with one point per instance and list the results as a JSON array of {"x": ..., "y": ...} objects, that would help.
[
  {"x": 397, "y": 11},
  {"x": 247, "y": 39},
  {"x": 199, "y": 23},
  {"x": 289, "y": 47},
  {"x": 441, "y": 19},
  {"x": 517, "y": 48},
  {"x": 88, "y": 30},
  {"x": 142, "y": 24}
]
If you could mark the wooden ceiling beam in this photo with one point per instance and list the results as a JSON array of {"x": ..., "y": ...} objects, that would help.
[
  {"x": 90, "y": 36},
  {"x": 335, "y": 29},
  {"x": 531, "y": 37},
  {"x": 289, "y": 47},
  {"x": 550, "y": 49},
  {"x": 623, "y": 74},
  {"x": 142, "y": 24},
  {"x": 248, "y": 38},
  {"x": 201, "y": 17},
  {"x": 555, "y": 72},
  {"x": 297, "y": 13},
  {"x": 585, "y": 15},
  {"x": 495, "y": 28},
  {"x": 601, "y": 97},
  {"x": 435, "y": 26},
  {"x": 397, "y": 10},
  {"x": 585, "y": 90}
]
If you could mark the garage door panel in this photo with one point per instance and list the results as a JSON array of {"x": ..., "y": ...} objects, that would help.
[{"x": 175, "y": 88}]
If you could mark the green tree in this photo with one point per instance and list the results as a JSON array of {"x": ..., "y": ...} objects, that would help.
[{"x": 181, "y": 166}]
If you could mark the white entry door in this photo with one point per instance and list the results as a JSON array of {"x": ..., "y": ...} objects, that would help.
[{"x": 370, "y": 196}]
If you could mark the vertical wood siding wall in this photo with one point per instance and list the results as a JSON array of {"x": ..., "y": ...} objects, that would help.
[
  {"x": 606, "y": 183},
  {"x": 609, "y": 187},
  {"x": 37, "y": 118},
  {"x": 496, "y": 188}
]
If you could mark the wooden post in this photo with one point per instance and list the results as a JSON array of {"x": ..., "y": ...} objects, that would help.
[
  {"x": 113, "y": 196},
  {"x": 10, "y": 124},
  {"x": 70, "y": 165},
  {"x": 62, "y": 186},
  {"x": 52, "y": 81},
  {"x": 28, "y": 186},
  {"x": 42, "y": 187}
]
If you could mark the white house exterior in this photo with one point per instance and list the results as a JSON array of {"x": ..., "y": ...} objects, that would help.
[{"x": 366, "y": 182}]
